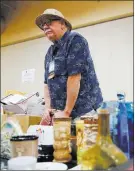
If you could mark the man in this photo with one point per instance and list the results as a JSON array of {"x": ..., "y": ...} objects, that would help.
[{"x": 70, "y": 85}]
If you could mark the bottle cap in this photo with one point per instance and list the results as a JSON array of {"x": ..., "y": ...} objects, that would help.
[
  {"x": 120, "y": 95},
  {"x": 103, "y": 109}
]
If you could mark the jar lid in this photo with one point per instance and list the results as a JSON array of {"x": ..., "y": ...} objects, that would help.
[
  {"x": 62, "y": 119},
  {"x": 88, "y": 121},
  {"x": 92, "y": 120},
  {"x": 24, "y": 138}
]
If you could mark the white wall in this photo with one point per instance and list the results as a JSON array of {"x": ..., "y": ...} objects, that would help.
[{"x": 111, "y": 46}]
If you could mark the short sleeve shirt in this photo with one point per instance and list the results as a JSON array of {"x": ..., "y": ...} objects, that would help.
[{"x": 71, "y": 56}]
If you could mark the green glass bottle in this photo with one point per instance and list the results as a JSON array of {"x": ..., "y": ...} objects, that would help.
[{"x": 104, "y": 154}]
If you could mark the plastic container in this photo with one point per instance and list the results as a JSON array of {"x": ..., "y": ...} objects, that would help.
[{"x": 25, "y": 145}]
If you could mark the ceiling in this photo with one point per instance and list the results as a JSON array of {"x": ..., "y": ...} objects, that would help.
[
  {"x": 20, "y": 16},
  {"x": 8, "y": 10}
]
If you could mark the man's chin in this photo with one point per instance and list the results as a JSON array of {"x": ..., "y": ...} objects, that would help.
[{"x": 51, "y": 38}]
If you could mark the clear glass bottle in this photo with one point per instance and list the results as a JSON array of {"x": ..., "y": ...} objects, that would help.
[
  {"x": 122, "y": 125},
  {"x": 104, "y": 154}
]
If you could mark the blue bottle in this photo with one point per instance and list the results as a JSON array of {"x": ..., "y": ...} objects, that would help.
[
  {"x": 130, "y": 111},
  {"x": 122, "y": 125}
]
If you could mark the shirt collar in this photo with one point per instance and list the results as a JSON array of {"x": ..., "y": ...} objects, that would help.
[{"x": 61, "y": 42}]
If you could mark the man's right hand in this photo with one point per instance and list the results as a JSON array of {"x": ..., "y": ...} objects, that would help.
[{"x": 46, "y": 119}]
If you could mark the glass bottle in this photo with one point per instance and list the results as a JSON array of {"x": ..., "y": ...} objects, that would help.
[
  {"x": 104, "y": 154},
  {"x": 122, "y": 126},
  {"x": 130, "y": 112},
  {"x": 113, "y": 122}
]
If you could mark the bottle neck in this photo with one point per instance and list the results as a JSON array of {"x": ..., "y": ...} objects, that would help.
[
  {"x": 121, "y": 100},
  {"x": 103, "y": 125}
]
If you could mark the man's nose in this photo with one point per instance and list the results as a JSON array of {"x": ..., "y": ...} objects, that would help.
[{"x": 45, "y": 26}]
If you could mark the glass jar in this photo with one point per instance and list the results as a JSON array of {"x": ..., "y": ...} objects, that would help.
[
  {"x": 79, "y": 137},
  {"x": 90, "y": 131},
  {"x": 24, "y": 145},
  {"x": 62, "y": 133}
]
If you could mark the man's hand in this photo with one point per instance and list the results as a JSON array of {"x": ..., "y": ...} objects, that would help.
[
  {"x": 61, "y": 114},
  {"x": 46, "y": 119}
]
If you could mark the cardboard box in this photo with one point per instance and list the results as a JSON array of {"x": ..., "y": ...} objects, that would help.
[{"x": 24, "y": 120}]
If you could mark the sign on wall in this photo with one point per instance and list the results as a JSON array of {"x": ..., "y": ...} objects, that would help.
[{"x": 28, "y": 75}]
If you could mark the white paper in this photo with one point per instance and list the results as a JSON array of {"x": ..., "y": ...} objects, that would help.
[
  {"x": 7, "y": 99},
  {"x": 13, "y": 98},
  {"x": 45, "y": 134},
  {"x": 28, "y": 75},
  {"x": 16, "y": 98}
]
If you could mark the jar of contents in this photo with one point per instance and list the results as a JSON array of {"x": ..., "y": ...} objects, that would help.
[
  {"x": 79, "y": 136},
  {"x": 62, "y": 133},
  {"x": 24, "y": 145},
  {"x": 90, "y": 131}
]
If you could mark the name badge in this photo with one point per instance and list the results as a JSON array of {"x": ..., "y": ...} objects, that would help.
[
  {"x": 51, "y": 67},
  {"x": 51, "y": 70}
]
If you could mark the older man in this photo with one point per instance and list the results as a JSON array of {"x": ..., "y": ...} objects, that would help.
[{"x": 70, "y": 81}]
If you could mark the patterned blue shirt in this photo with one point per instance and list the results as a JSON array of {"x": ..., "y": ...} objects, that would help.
[{"x": 71, "y": 56}]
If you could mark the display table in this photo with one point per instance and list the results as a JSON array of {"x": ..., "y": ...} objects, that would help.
[
  {"x": 72, "y": 166},
  {"x": 128, "y": 166}
]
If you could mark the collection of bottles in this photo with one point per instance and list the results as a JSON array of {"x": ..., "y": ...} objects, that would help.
[
  {"x": 109, "y": 150},
  {"x": 123, "y": 126},
  {"x": 103, "y": 154}
]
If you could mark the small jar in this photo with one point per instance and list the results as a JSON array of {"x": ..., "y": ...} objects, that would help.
[
  {"x": 62, "y": 133},
  {"x": 24, "y": 145}
]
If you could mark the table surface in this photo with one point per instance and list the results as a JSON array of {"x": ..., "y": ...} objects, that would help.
[{"x": 128, "y": 166}]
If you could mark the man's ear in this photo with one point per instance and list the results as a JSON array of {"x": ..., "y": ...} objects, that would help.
[{"x": 62, "y": 26}]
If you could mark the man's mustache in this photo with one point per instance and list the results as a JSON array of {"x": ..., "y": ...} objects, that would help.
[{"x": 47, "y": 30}]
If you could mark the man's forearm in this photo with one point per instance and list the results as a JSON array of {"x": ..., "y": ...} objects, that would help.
[
  {"x": 73, "y": 87},
  {"x": 47, "y": 97}
]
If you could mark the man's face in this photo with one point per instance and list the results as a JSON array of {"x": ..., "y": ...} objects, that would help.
[{"x": 53, "y": 29}]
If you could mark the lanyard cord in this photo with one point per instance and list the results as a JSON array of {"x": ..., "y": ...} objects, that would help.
[{"x": 54, "y": 52}]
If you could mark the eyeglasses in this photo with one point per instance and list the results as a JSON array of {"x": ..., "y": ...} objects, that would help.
[{"x": 48, "y": 22}]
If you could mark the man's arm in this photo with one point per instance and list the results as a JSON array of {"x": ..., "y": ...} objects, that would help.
[
  {"x": 73, "y": 87},
  {"x": 76, "y": 63},
  {"x": 47, "y": 97}
]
